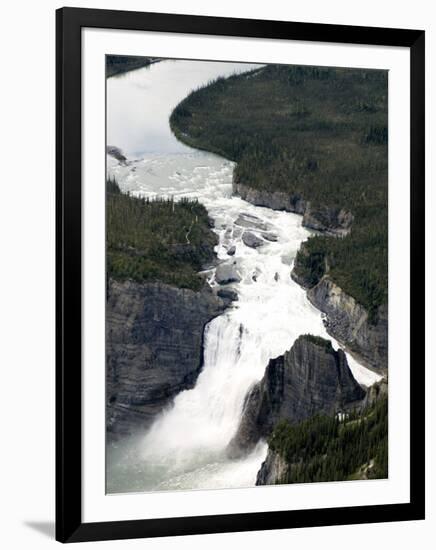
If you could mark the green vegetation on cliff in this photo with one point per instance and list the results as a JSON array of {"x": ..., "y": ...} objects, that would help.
[
  {"x": 325, "y": 448},
  {"x": 316, "y": 133},
  {"x": 157, "y": 240},
  {"x": 358, "y": 263},
  {"x": 319, "y": 341},
  {"x": 119, "y": 64}
]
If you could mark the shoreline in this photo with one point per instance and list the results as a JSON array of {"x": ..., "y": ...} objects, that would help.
[
  {"x": 300, "y": 208},
  {"x": 141, "y": 63},
  {"x": 280, "y": 201},
  {"x": 298, "y": 159},
  {"x": 163, "y": 437}
]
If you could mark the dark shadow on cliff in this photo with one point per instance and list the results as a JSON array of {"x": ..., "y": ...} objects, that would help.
[{"x": 46, "y": 528}]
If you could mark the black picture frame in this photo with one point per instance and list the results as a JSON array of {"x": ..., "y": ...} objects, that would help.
[{"x": 69, "y": 525}]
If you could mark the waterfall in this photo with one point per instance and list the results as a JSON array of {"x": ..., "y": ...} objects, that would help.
[{"x": 186, "y": 446}]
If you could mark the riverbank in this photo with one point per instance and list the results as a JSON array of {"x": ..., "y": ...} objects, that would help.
[
  {"x": 329, "y": 448},
  {"x": 320, "y": 424},
  {"x": 157, "y": 304},
  {"x": 157, "y": 240},
  {"x": 311, "y": 141},
  {"x": 120, "y": 64},
  {"x": 186, "y": 447}
]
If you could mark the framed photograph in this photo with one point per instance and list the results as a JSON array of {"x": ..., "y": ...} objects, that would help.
[{"x": 240, "y": 265}]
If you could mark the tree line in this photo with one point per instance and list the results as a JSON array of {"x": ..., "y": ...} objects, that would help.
[
  {"x": 146, "y": 239},
  {"x": 316, "y": 132},
  {"x": 330, "y": 448}
]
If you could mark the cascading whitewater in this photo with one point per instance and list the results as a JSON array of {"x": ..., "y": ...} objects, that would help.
[{"x": 186, "y": 446}]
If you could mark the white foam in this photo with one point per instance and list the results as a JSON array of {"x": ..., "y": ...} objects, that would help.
[{"x": 185, "y": 448}]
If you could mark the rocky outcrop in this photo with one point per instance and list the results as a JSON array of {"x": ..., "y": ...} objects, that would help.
[
  {"x": 271, "y": 237},
  {"x": 228, "y": 294},
  {"x": 250, "y": 240},
  {"x": 116, "y": 153},
  {"x": 308, "y": 267},
  {"x": 374, "y": 393},
  {"x": 274, "y": 468},
  {"x": 249, "y": 221},
  {"x": 227, "y": 273},
  {"x": 277, "y": 200},
  {"x": 154, "y": 340},
  {"x": 311, "y": 378},
  {"x": 348, "y": 322},
  {"x": 330, "y": 220}
]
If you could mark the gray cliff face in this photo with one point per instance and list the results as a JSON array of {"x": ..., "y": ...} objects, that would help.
[
  {"x": 154, "y": 338},
  {"x": 347, "y": 321},
  {"x": 332, "y": 221},
  {"x": 311, "y": 378},
  {"x": 374, "y": 393},
  {"x": 277, "y": 200},
  {"x": 117, "y": 154},
  {"x": 273, "y": 469},
  {"x": 306, "y": 278}
]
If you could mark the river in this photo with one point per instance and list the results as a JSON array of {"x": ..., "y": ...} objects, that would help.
[{"x": 185, "y": 448}]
